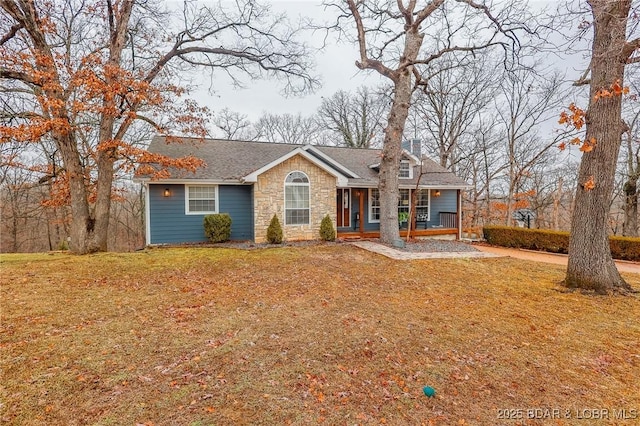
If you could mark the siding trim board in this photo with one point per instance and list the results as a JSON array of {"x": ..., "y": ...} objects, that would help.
[{"x": 147, "y": 215}]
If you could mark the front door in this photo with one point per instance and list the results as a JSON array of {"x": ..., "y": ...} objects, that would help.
[{"x": 343, "y": 215}]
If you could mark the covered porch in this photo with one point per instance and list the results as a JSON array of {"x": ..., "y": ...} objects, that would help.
[{"x": 436, "y": 213}]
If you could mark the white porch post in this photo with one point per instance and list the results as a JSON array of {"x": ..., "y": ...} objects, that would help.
[{"x": 459, "y": 214}]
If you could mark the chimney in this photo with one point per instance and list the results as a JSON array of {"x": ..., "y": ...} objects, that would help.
[
  {"x": 406, "y": 145},
  {"x": 416, "y": 147}
]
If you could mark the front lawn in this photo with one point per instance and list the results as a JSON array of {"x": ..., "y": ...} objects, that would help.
[{"x": 306, "y": 335}]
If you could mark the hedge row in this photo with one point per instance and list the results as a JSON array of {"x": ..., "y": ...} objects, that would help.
[{"x": 625, "y": 248}]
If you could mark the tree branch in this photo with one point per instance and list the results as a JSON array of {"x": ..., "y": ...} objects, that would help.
[
  {"x": 365, "y": 62},
  {"x": 583, "y": 80},
  {"x": 12, "y": 32},
  {"x": 427, "y": 11},
  {"x": 444, "y": 51},
  {"x": 17, "y": 75},
  {"x": 629, "y": 49}
]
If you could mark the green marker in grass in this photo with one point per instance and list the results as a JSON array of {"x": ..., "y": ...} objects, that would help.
[{"x": 429, "y": 391}]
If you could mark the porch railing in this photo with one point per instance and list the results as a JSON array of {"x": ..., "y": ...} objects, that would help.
[{"x": 448, "y": 220}]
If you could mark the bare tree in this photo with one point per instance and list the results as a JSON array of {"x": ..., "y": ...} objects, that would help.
[
  {"x": 234, "y": 125},
  {"x": 526, "y": 101},
  {"x": 127, "y": 228},
  {"x": 27, "y": 224},
  {"x": 483, "y": 161},
  {"x": 391, "y": 41},
  {"x": 289, "y": 128},
  {"x": 93, "y": 68},
  {"x": 631, "y": 165},
  {"x": 357, "y": 119},
  {"x": 451, "y": 101},
  {"x": 550, "y": 194}
]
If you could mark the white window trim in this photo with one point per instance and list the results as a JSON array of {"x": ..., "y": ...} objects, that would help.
[
  {"x": 410, "y": 169},
  {"x": 186, "y": 200},
  {"x": 284, "y": 198},
  {"x": 428, "y": 205},
  {"x": 369, "y": 206}
]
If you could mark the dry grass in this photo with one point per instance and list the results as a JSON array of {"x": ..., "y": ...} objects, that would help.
[{"x": 326, "y": 334}]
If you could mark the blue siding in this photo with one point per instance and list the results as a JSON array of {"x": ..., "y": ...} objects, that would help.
[
  {"x": 446, "y": 202},
  {"x": 237, "y": 200},
  {"x": 170, "y": 224}
]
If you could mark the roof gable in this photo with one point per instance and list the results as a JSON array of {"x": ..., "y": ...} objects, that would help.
[{"x": 253, "y": 176}]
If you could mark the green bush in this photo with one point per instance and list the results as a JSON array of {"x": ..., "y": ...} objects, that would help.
[
  {"x": 217, "y": 227},
  {"x": 554, "y": 241},
  {"x": 63, "y": 245},
  {"x": 532, "y": 239},
  {"x": 274, "y": 231},
  {"x": 625, "y": 248},
  {"x": 327, "y": 231}
]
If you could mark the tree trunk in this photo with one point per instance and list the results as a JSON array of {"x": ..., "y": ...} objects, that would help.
[
  {"x": 557, "y": 198},
  {"x": 392, "y": 149},
  {"x": 591, "y": 266},
  {"x": 390, "y": 164},
  {"x": 99, "y": 237},
  {"x": 510, "y": 201},
  {"x": 630, "y": 224},
  {"x": 82, "y": 224}
]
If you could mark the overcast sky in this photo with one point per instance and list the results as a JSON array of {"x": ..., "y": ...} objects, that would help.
[{"x": 335, "y": 65}]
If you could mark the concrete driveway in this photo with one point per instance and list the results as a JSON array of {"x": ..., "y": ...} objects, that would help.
[{"x": 558, "y": 259}]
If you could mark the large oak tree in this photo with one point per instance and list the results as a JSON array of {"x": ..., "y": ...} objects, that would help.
[
  {"x": 590, "y": 264},
  {"x": 402, "y": 40},
  {"x": 83, "y": 73}
]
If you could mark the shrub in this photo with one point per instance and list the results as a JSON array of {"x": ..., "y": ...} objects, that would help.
[
  {"x": 63, "y": 245},
  {"x": 327, "y": 231},
  {"x": 532, "y": 239},
  {"x": 554, "y": 241},
  {"x": 626, "y": 248},
  {"x": 217, "y": 227},
  {"x": 274, "y": 231}
]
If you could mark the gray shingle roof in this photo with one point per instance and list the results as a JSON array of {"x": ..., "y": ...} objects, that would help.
[
  {"x": 232, "y": 160},
  {"x": 360, "y": 160}
]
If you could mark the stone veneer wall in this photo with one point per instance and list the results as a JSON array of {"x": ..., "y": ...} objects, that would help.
[{"x": 269, "y": 199}]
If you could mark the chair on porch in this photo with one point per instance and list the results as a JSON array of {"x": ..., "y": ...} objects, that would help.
[{"x": 422, "y": 217}]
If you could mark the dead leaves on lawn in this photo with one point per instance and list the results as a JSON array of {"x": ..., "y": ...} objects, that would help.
[{"x": 329, "y": 335}]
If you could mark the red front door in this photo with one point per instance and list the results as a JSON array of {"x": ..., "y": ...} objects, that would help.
[{"x": 343, "y": 214}]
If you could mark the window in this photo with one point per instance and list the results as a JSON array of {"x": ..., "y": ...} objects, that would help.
[
  {"x": 422, "y": 207},
  {"x": 405, "y": 170},
  {"x": 374, "y": 205},
  {"x": 201, "y": 199},
  {"x": 296, "y": 199},
  {"x": 404, "y": 200}
]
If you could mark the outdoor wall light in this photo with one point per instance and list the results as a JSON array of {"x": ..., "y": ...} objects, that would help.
[
  {"x": 436, "y": 193},
  {"x": 167, "y": 193}
]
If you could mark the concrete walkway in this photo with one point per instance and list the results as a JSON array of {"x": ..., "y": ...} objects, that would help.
[
  {"x": 406, "y": 255},
  {"x": 485, "y": 251}
]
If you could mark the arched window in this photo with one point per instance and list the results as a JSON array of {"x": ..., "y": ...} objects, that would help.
[{"x": 296, "y": 199}]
